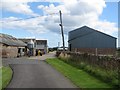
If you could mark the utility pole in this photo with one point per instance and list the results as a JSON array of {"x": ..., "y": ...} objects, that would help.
[{"x": 62, "y": 31}]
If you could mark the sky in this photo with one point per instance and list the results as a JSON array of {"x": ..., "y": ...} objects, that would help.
[{"x": 40, "y": 18}]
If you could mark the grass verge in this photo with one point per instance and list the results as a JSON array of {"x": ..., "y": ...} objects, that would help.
[
  {"x": 79, "y": 77},
  {"x": 5, "y": 76}
]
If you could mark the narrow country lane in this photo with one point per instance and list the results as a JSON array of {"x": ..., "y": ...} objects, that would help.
[{"x": 34, "y": 72}]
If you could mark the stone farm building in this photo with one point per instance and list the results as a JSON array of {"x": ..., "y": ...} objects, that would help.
[
  {"x": 88, "y": 40},
  {"x": 10, "y": 46},
  {"x": 34, "y": 45}
]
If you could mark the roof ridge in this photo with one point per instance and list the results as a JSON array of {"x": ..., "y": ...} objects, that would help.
[{"x": 93, "y": 30}]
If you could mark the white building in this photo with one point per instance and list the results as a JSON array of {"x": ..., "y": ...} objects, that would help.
[
  {"x": 42, "y": 46},
  {"x": 34, "y": 45}
]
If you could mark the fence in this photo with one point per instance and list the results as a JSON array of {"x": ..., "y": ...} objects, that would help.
[
  {"x": 105, "y": 67},
  {"x": 105, "y": 62}
]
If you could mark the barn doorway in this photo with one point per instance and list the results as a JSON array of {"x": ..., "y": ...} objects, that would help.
[{"x": 70, "y": 47}]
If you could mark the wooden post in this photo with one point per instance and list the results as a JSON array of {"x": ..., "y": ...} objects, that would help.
[{"x": 62, "y": 31}]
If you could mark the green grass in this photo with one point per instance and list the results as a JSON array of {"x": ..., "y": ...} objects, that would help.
[
  {"x": 5, "y": 76},
  {"x": 107, "y": 76},
  {"x": 79, "y": 77}
]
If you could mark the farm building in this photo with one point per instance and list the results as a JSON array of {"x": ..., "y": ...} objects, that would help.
[
  {"x": 10, "y": 46},
  {"x": 88, "y": 40},
  {"x": 34, "y": 45},
  {"x": 30, "y": 45},
  {"x": 42, "y": 46}
]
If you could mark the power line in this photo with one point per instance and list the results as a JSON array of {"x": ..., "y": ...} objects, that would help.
[
  {"x": 28, "y": 18},
  {"x": 23, "y": 19}
]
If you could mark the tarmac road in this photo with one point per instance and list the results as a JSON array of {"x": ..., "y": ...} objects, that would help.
[{"x": 37, "y": 75}]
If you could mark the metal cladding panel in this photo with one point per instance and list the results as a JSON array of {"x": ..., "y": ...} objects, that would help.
[
  {"x": 79, "y": 32},
  {"x": 92, "y": 39},
  {"x": 40, "y": 46}
]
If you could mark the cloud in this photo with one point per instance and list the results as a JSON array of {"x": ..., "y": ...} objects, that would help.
[
  {"x": 75, "y": 13},
  {"x": 33, "y": 25},
  {"x": 78, "y": 7},
  {"x": 20, "y": 7}
]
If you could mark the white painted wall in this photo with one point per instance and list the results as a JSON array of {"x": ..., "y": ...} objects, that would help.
[{"x": 40, "y": 46}]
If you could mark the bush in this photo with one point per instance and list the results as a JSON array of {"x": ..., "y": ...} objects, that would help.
[
  {"x": 57, "y": 54},
  {"x": 100, "y": 70}
]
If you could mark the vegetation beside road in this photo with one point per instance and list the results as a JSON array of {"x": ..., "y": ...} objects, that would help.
[
  {"x": 104, "y": 68},
  {"x": 79, "y": 77},
  {"x": 5, "y": 76},
  {"x": 118, "y": 52}
]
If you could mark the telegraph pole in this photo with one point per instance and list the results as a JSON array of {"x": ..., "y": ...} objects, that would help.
[{"x": 62, "y": 30}]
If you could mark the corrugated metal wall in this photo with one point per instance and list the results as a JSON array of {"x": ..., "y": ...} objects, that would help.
[
  {"x": 94, "y": 40},
  {"x": 89, "y": 38}
]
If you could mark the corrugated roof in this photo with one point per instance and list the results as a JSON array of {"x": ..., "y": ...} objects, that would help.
[
  {"x": 82, "y": 31},
  {"x": 10, "y": 40}
]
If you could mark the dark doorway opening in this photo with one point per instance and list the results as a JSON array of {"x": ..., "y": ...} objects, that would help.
[{"x": 70, "y": 47}]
